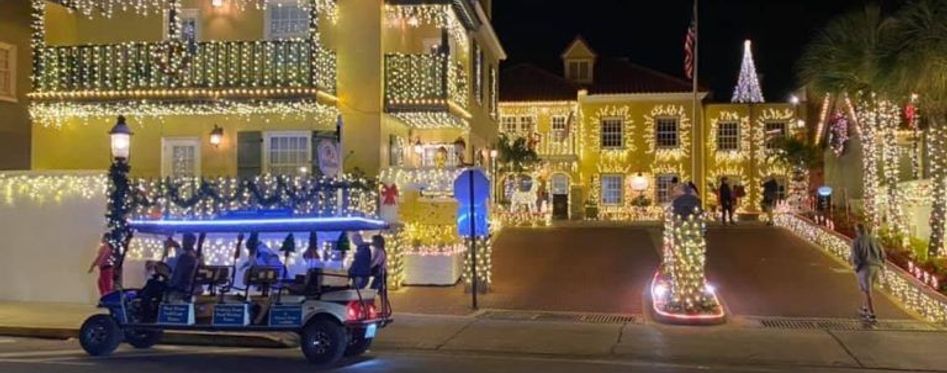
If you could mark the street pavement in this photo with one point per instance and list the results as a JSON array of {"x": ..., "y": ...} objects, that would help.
[
  {"x": 466, "y": 344},
  {"x": 758, "y": 270},
  {"x": 582, "y": 269},
  {"x": 768, "y": 271}
]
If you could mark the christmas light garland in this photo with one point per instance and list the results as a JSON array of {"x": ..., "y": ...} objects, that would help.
[
  {"x": 668, "y": 154},
  {"x": 34, "y": 187}
]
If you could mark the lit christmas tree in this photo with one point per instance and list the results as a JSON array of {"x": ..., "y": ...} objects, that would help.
[{"x": 748, "y": 85}]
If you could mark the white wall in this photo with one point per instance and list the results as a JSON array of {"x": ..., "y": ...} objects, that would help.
[{"x": 46, "y": 245}]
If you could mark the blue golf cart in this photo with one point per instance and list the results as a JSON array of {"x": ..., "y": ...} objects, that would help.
[{"x": 333, "y": 317}]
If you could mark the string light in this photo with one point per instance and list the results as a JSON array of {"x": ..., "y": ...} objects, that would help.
[
  {"x": 748, "y": 85},
  {"x": 50, "y": 114},
  {"x": 682, "y": 269},
  {"x": 673, "y": 153},
  {"x": 43, "y": 188}
]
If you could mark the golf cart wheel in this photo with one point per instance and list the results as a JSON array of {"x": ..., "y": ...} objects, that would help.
[
  {"x": 143, "y": 338},
  {"x": 100, "y": 335},
  {"x": 358, "y": 344},
  {"x": 323, "y": 341}
]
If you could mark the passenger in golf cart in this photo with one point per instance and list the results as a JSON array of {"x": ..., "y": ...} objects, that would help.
[{"x": 315, "y": 297}]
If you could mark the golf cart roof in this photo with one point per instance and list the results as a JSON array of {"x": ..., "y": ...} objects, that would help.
[{"x": 262, "y": 225}]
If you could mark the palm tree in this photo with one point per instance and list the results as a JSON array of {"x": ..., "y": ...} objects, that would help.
[
  {"x": 515, "y": 155},
  {"x": 844, "y": 60},
  {"x": 916, "y": 63}
]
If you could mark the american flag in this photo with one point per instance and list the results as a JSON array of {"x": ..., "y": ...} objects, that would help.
[{"x": 689, "y": 41}]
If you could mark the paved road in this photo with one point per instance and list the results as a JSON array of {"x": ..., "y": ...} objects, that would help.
[
  {"x": 769, "y": 272},
  {"x": 581, "y": 269},
  {"x": 759, "y": 270},
  {"x": 39, "y": 356}
]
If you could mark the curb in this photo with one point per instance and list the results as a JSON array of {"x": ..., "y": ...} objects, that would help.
[{"x": 261, "y": 340}]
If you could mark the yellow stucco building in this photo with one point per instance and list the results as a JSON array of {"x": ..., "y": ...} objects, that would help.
[
  {"x": 268, "y": 78},
  {"x": 606, "y": 128}
]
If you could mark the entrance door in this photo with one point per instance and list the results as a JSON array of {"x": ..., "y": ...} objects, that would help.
[
  {"x": 560, "y": 196},
  {"x": 181, "y": 158}
]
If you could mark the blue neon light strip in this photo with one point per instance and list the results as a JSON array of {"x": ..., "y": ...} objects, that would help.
[{"x": 302, "y": 224}]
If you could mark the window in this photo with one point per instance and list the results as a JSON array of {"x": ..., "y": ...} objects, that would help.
[
  {"x": 559, "y": 128},
  {"x": 728, "y": 136},
  {"x": 181, "y": 158},
  {"x": 612, "y": 189},
  {"x": 560, "y": 184},
  {"x": 580, "y": 71},
  {"x": 509, "y": 124},
  {"x": 286, "y": 19},
  {"x": 396, "y": 147},
  {"x": 430, "y": 155},
  {"x": 663, "y": 184},
  {"x": 774, "y": 131},
  {"x": 287, "y": 153},
  {"x": 7, "y": 72},
  {"x": 494, "y": 91},
  {"x": 478, "y": 72},
  {"x": 665, "y": 133},
  {"x": 612, "y": 133},
  {"x": 527, "y": 124},
  {"x": 190, "y": 25}
]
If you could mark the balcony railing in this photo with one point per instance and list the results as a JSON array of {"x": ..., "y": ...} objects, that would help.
[
  {"x": 213, "y": 65},
  {"x": 554, "y": 144},
  {"x": 424, "y": 82}
]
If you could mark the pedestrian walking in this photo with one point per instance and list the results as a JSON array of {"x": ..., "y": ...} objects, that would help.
[
  {"x": 105, "y": 262},
  {"x": 868, "y": 260},
  {"x": 727, "y": 199}
]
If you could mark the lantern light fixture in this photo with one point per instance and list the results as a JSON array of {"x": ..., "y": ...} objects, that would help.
[
  {"x": 216, "y": 136},
  {"x": 120, "y": 136}
]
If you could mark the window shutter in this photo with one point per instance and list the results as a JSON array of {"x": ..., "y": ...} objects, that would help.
[{"x": 249, "y": 154}]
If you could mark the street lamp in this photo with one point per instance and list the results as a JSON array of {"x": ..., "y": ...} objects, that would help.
[
  {"x": 121, "y": 138},
  {"x": 216, "y": 136}
]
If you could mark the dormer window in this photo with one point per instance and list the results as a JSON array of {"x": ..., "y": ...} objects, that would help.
[{"x": 579, "y": 70}]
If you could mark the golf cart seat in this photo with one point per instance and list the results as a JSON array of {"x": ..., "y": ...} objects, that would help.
[
  {"x": 263, "y": 277},
  {"x": 309, "y": 284},
  {"x": 213, "y": 277}
]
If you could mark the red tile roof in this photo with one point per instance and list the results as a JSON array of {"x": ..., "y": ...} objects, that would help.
[{"x": 526, "y": 82}]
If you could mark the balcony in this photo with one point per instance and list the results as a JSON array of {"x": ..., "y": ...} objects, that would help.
[
  {"x": 426, "y": 90},
  {"x": 209, "y": 70}
]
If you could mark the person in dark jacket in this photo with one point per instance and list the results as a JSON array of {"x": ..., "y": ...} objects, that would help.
[
  {"x": 361, "y": 268},
  {"x": 687, "y": 204},
  {"x": 726, "y": 198},
  {"x": 183, "y": 275}
]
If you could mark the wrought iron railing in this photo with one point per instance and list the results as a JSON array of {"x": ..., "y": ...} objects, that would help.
[
  {"x": 293, "y": 63},
  {"x": 418, "y": 81}
]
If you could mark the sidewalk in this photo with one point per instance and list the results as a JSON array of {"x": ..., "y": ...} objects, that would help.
[{"x": 742, "y": 341}]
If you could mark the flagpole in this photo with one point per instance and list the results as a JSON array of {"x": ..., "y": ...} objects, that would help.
[{"x": 696, "y": 124}]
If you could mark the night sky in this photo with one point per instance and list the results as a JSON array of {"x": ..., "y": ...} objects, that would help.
[{"x": 651, "y": 33}]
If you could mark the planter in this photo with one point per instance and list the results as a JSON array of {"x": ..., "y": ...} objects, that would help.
[{"x": 433, "y": 269}]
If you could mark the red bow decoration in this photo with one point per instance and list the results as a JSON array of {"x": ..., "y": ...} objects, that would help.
[{"x": 389, "y": 193}]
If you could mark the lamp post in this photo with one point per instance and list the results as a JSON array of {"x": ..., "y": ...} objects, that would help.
[
  {"x": 493, "y": 174},
  {"x": 119, "y": 205},
  {"x": 121, "y": 139}
]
